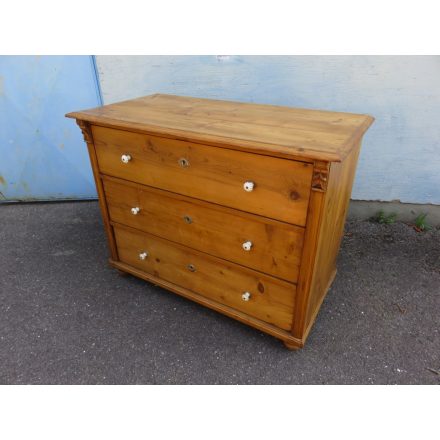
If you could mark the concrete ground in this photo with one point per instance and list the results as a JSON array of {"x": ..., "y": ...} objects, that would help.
[{"x": 66, "y": 317}]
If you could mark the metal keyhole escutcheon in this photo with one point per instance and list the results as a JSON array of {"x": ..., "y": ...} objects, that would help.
[{"x": 184, "y": 163}]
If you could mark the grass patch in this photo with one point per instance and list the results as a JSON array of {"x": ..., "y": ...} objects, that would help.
[
  {"x": 420, "y": 224},
  {"x": 384, "y": 219}
]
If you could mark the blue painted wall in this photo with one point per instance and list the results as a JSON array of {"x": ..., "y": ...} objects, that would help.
[
  {"x": 42, "y": 154},
  {"x": 400, "y": 158}
]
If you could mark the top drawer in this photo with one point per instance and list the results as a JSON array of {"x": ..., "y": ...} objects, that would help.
[{"x": 268, "y": 186}]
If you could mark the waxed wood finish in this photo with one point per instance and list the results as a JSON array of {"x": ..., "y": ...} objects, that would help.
[
  {"x": 273, "y": 330},
  {"x": 271, "y": 300},
  {"x": 273, "y": 130},
  {"x": 193, "y": 219},
  {"x": 87, "y": 133},
  {"x": 281, "y": 191},
  {"x": 208, "y": 228},
  {"x": 323, "y": 237},
  {"x": 332, "y": 228}
]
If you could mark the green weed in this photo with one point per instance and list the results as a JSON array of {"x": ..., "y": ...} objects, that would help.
[
  {"x": 385, "y": 219},
  {"x": 420, "y": 223}
]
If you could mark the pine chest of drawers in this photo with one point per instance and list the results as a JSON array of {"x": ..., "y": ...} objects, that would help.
[{"x": 239, "y": 207}]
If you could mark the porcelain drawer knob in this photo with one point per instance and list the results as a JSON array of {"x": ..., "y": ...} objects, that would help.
[
  {"x": 247, "y": 245},
  {"x": 125, "y": 158},
  {"x": 135, "y": 210},
  {"x": 246, "y": 296},
  {"x": 143, "y": 255},
  {"x": 248, "y": 186}
]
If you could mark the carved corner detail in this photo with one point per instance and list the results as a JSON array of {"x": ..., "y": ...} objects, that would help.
[
  {"x": 85, "y": 128},
  {"x": 320, "y": 176}
]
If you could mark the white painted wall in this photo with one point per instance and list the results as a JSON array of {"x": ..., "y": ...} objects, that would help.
[{"x": 400, "y": 158}]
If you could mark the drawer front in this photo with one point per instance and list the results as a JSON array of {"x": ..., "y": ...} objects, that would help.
[
  {"x": 251, "y": 292},
  {"x": 262, "y": 244},
  {"x": 275, "y": 188}
]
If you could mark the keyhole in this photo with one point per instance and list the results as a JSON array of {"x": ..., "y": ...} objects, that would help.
[{"x": 183, "y": 162}]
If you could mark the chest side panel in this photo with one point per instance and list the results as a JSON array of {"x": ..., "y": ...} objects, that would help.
[
  {"x": 335, "y": 209},
  {"x": 325, "y": 226}
]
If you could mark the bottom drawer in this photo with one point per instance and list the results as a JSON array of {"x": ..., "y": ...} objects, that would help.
[{"x": 249, "y": 291}]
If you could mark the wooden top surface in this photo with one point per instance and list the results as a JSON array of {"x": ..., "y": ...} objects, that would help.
[{"x": 265, "y": 129}]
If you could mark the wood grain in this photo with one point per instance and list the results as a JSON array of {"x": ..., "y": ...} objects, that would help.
[
  {"x": 193, "y": 219},
  {"x": 271, "y": 299},
  {"x": 273, "y": 130},
  {"x": 282, "y": 187},
  {"x": 331, "y": 231},
  {"x": 324, "y": 230},
  {"x": 276, "y": 246},
  {"x": 314, "y": 218},
  {"x": 277, "y": 332},
  {"x": 88, "y": 138}
]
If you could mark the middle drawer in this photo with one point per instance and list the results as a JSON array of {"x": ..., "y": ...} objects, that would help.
[{"x": 263, "y": 244}]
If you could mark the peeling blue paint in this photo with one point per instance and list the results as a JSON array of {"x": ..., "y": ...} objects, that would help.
[{"x": 42, "y": 154}]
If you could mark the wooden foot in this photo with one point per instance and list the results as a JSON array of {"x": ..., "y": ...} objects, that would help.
[{"x": 291, "y": 345}]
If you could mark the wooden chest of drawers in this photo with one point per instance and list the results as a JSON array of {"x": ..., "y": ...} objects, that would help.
[{"x": 239, "y": 207}]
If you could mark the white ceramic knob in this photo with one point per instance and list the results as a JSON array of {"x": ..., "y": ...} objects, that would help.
[
  {"x": 135, "y": 210},
  {"x": 246, "y": 296},
  {"x": 125, "y": 158},
  {"x": 248, "y": 186},
  {"x": 247, "y": 245},
  {"x": 143, "y": 255}
]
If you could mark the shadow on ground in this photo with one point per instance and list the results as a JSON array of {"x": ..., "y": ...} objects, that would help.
[{"x": 68, "y": 318}]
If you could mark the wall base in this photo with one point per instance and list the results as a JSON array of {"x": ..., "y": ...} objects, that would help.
[
  {"x": 406, "y": 212},
  {"x": 358, "y": 209}
]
